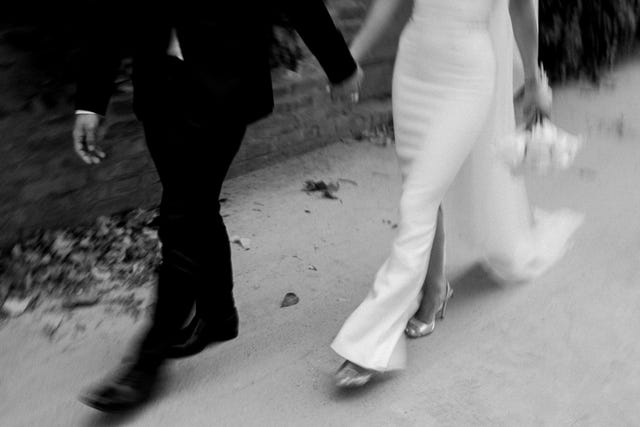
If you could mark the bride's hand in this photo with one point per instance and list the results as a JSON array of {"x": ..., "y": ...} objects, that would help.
[{"x": 537, "y": 99}]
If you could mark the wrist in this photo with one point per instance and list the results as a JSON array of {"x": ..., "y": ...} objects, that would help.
[{"x": 532, "y": 77}]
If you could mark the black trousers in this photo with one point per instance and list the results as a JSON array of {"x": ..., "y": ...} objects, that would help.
[{"x": 192, "y": 154}]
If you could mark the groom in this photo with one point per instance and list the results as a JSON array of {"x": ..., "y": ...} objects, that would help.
[{"x": 201, "y": 74}]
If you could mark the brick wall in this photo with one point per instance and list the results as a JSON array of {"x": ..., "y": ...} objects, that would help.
[{"x": 43, "y": 184}]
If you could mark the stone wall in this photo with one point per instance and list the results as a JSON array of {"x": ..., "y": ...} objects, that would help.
[{"x": 43, "y": 184}]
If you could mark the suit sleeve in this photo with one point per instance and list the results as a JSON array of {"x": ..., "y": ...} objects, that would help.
[
  {"x": 312, "y": 21},
  {"x": 98, "y": 63}
]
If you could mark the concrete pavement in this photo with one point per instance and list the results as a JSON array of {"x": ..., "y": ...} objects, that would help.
[{"x": 560, "y": 351}]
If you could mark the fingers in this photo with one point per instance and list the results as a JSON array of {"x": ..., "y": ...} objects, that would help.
[
  {"x": 78, "y": 144},
  {"x": 95, "y": 154},
  {"x": 536, "y": 105},
  {"x": 348, "y": 91},
  {"x": 345, "y": 94},
  {"x": 84, "y": 143},
  {"x": 350, "y": 97}
]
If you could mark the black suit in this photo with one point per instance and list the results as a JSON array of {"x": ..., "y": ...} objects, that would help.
[
  {"x": 225, "y": 46},
  {"x": 195, "y": 113}
]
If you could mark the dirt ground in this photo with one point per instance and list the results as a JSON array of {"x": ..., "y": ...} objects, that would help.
[{"x": 560, "y": 351}]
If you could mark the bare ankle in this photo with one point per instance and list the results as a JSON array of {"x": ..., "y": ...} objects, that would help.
[{"x": 436, "y": 291}]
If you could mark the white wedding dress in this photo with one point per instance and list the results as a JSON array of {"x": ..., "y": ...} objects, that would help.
[{"x": 452, "y": 97}]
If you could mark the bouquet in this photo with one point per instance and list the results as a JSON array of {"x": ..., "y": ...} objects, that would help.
[{"x": 539, "y": 146}]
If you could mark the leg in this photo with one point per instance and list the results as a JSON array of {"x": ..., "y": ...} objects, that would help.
[
  {"x": 192, "y": 159},
  {"x": 175, "y": 296},
  {"x": 192, "y": 162},
  {"x": 208, "y": 247},
  {"x": 431, "y": 150},
  {"x": 434, "y": 286},
  {"x": 196, "y": 246},
  {"x": 175, "y": 290},
  {"x": 435, "y": 289}
]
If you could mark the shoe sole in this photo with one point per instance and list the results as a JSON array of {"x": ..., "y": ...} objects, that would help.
[{"x": 176, "y": 352}]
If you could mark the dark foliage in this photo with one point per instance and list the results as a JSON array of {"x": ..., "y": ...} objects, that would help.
[
  {"x": 578, "y": 38},
  {"x": 584, "y": 38}
]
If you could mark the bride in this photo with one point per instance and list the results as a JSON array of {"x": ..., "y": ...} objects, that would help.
[{"x": 452, "y": 98}]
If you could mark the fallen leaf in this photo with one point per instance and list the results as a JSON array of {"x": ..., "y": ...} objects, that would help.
[
  {"x": 52, "y": 323},
  {"x": 289, "y": 299},
  {"x": 85, "y": 243},
  {"x": 100, "y": 274},
  {"x": 16, "y": 251},
  {"x": 78, "y": 301},
  {"x": 327, "y": 189},
  {"x": 329, "y": 195},
  {"x": 243, "y": 242},
  {"x": 28, "y": 281},
  {"x": 62, "y": 245},
  {"x": 14, "y": 307},
  {"x": 78, "y": 257},
  {"x": 388, "y": 222},
  {"x": 348, "y": 181},
  {"x": 123, "y": 249}
]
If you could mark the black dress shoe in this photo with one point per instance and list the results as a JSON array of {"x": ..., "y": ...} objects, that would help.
[
  {"x": 124, "y": 391},
  {"x": 199, "y": 334}
]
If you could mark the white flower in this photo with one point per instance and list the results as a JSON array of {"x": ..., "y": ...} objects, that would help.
[
  {"x": 538, "y": 156},
  {"x": 565, "y": 150},
  {"x": 541, "y": 149}
]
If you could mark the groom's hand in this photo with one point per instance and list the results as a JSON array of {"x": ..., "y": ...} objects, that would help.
[
  {"x": 85, "y": 136},
  {"x": 348, "y": 90}
]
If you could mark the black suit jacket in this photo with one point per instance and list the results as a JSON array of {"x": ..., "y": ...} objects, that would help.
[{"x": 226, "y": 50}]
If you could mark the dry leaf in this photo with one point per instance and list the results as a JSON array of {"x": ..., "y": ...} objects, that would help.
[
  {"x": 289, "y": 299},
  {"x": 243, "y": 242},
  {"x": 78, "y": 301},
  {"x": 51, "y": 324},
  {"x": 326, "y": 189},
  {"x": 14, "y": 307},
  {"x": 62, "y": 246}
]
